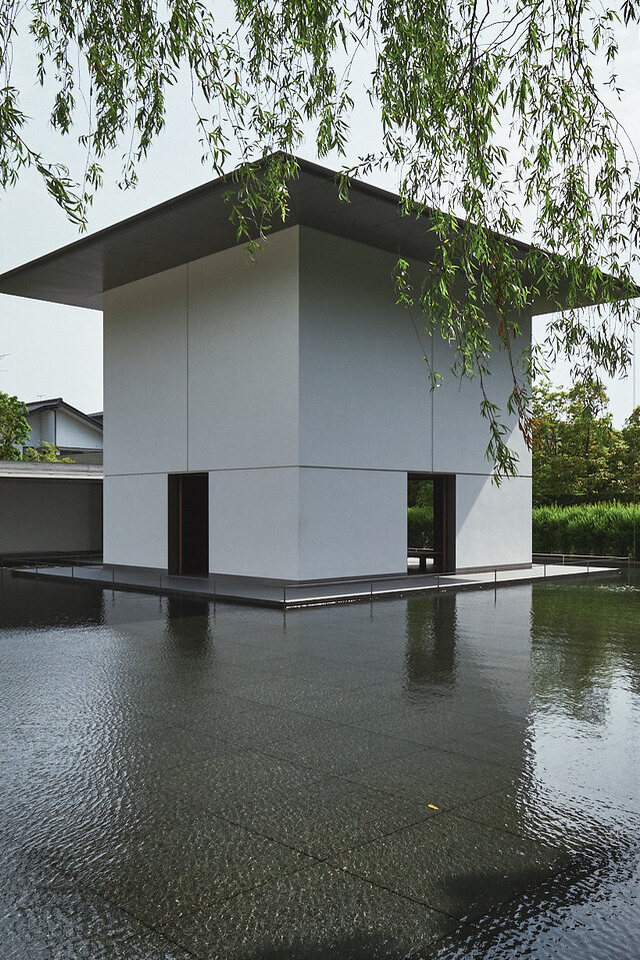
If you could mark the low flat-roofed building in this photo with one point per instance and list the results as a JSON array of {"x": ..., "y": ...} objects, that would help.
[{"x": 49, "y": 511}]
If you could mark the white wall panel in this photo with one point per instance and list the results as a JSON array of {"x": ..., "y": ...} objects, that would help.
[
  {"x": 460, "y": 432},
  {"x": 352, "y": 523},
  {"x": 493, "y": 523},
  {"x": 135, "y": 520},
  {"x": 145, "y": 375},
  {"x": 243, "y": 356},
  {"x": 253, "y": 523},
  {"x": 364, "y": 392}
]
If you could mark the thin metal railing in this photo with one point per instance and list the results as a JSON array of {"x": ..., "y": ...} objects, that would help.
[
  {"x": 376, "y": 588},
  {"x": 294, "y": 594},
  {"x": 577, "y": 558}
]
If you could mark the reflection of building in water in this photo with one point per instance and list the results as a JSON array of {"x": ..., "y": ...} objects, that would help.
[
  {"x": 187, "y": 625},
  {"x": 431, "y": 639},
  {"x": 475, "y": 646},
  {"x": 46, "y": 603},
  {"x": 174, "y": 629},
  {"x": 494, "y": 648}
]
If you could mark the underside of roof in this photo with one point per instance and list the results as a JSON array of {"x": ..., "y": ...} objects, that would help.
[{"x": 197, "y": 224}]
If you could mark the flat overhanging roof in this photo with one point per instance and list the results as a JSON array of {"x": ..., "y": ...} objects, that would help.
[{"x": 197, "y": 223}]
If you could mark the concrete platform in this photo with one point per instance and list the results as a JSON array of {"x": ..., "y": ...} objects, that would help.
[{"x": 273, "y": 593}]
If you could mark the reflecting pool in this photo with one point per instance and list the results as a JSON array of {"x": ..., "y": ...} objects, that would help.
[{"x": 449, "y": 776}]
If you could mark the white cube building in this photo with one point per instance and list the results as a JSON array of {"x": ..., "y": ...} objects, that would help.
[{"x": 262, "y": 415}]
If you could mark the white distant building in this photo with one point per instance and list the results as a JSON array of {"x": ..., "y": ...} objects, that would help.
[
  {"x": 76, "y": 434},
  {"x": 262, "y": 415}
]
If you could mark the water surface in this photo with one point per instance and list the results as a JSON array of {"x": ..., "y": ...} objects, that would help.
[{"x": 450, "y": 776}]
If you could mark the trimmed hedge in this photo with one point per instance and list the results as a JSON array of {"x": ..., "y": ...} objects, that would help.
[
  {"x": 596, "y": 529},
  {"x": 420, "y": 530}
]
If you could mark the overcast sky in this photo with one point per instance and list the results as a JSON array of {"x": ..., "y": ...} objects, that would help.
[{"x": 48, "y": 350}]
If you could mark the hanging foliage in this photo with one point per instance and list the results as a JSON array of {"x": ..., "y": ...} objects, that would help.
[{"x": 495, "y": 119}]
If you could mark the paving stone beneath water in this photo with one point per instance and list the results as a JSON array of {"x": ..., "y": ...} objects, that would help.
[
  {"x": 40, "y": 922},
  {"x": 454, "y": 865},
  {"x": 317, "y": 914}
]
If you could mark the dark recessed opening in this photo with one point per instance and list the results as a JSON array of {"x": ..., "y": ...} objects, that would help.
[
  {"x": 189, "y": 524},
  {"x": 431, "y": 531}
]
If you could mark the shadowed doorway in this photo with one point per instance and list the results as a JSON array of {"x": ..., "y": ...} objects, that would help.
[
  {"x": 431, "y": 526},
  {"x": 189, "y": 524}
]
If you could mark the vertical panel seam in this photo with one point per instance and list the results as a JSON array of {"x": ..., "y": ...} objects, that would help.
[
  {"x": 187, "y": 300},
  {"x": 299, "y": 404},
  {"x": 433, "y": 403}
]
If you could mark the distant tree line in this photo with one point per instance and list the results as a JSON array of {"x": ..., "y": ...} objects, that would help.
[{"x": 578, "y": 454}]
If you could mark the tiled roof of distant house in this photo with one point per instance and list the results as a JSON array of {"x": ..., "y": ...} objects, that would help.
[{"x": 57, "y": 403}]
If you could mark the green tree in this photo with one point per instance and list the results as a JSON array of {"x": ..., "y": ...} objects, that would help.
[
  {"x": 46, "y": 453},
  {"x": 420, "y": 493},
  {"x": 14, "y": 427},
  {"x": 578, "y": 455},
  {"x": 492, "y": 115},
  {"x": 631, "y": 456}
]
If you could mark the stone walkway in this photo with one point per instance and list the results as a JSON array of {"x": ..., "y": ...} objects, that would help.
[{"x": 278, "y": 593}]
